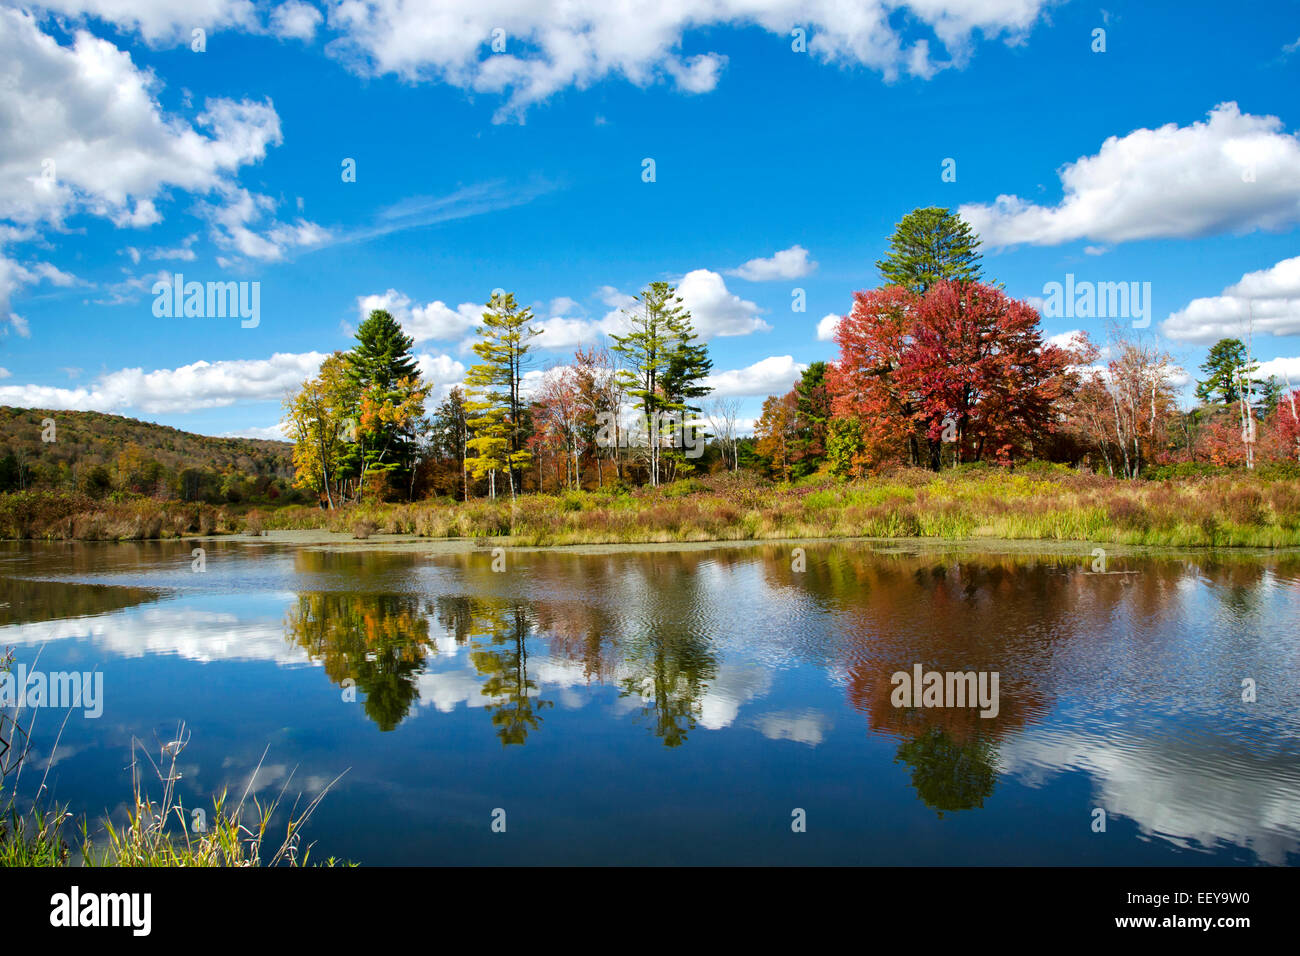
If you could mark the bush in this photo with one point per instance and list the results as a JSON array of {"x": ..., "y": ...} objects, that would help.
[
  {"x": 1043, "y": 469},
  {"x": 683, "y": 487},
  {"x": 1183, "y": 469},
  {"x": 95, "y": 482}
]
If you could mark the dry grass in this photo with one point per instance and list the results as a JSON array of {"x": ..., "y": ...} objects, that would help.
[{"x": 1240, "y": 509}]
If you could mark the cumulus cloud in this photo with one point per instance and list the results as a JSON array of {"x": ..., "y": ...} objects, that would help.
[
  {"x": 86, "y": 135},
  {"x": 296, "y": 20},
  {"x": 1283, "y": 368},
  {"x": 1266, "y": 302},
  {"x": 169, "y": 391},
  {"x": 715, "y": 311},
  {"x": 827, "y": 327},
  {"x": 435, "y": 321},
  {"x": 1231, "y": 173},
  {"x": 791, "y": 263},
  {"x": 564, "y": 324},
  {"x": 90, "y": 136},
  {"x": 441, "y": 371},
  {"x": 553, "y": 44},
  {"x": 770, "y": 376},
  {"x": 163, "y": 22}
]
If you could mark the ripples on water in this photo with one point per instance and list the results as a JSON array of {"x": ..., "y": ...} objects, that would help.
[{"x": 676, "y": 706}]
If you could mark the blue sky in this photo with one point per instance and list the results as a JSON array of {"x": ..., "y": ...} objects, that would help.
[{"x": 1171, "y": 158}]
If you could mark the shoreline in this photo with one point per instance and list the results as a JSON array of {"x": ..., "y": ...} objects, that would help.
[
  {"x": 1045, "y": 505},
  {"x": 323, "y": 539}
]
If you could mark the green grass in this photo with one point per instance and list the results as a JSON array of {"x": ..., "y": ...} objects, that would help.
[
  {"x": 156, "y": 832},
  {"x": 1052, "y": 503}
]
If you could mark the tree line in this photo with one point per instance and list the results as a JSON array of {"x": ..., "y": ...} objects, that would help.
[
  {"x": 629, "y": 412},
  {"x": 937, "y": 368}
]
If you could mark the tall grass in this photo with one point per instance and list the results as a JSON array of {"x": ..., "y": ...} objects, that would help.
[
  {"x": 156, "y": 832},
  {"x": 1047, "y": 503}
]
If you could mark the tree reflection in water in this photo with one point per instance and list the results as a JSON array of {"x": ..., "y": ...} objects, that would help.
[{"x": 379, "y": 641}]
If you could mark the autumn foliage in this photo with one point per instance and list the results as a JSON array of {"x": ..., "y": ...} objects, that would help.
[{"x": 961, "y": 366}]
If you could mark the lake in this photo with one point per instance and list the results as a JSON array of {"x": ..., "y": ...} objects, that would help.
[{"x": 701, "y": 705}]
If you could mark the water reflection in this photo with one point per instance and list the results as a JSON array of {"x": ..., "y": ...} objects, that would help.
[
  {"x": 1129, "y": 680},
  {"x": 376, "y": 643}
]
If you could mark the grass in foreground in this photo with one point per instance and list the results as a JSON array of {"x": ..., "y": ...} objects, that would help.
[
  {"x": 155, "y": 833},
  {"x": 1042, "y": 502}
]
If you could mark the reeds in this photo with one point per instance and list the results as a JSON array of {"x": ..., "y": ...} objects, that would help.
[{"x": 1049, "y": 503}]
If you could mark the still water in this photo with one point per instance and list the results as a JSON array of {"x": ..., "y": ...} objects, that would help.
[{"x": 680, "y": 706}]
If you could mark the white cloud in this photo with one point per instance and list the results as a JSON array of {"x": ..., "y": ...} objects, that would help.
[
  {"x": 715, "y": 311},
  {"x": 295, "y": 19},
  {"x": 771, "y": 376},
  {"x": 1266, "y": 302},
  {"x": 435, "y": 321},
  {"x": 1232, "y": 173},
  {"x": 791, "y": 263},
  {"x": 162, "y": 22},
  {"x": 85, "y": 133},
  {"x": 183, "y": 252},
  {"x": 554, "y": 44},
  {"x": 277, "y": 432},
  {"x": 14, "y": 275},
  {"x": 806, "y": 726},
  {"x": 1284, "y": 369},
  {"x": 232, "y": 221},
  {"x": 179, "y": 390},
  {"x": 827, "y": 327},
  {"x": 442, "y": 371}
]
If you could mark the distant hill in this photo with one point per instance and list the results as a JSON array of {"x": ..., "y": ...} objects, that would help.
[{"x": 85, "y": 439}]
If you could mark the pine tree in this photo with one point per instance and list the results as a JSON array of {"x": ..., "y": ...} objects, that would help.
[
  {"x": 812, "y": 413},
  {"x": 497, "y": 409},
  {"x": 683, "y": 384},
  {"x": 1223, "y": 367},
  {"x": 930, "y": 245},
  {"x": 665, "y": 365},
  {"x": 386, "y": 380}
]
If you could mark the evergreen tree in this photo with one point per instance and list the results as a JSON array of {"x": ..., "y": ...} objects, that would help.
[
  {"x": 665, "y": 365},
  {"x": 386, "y": 379},
  {"x": 451, "y": 435},
  {"x": 1223, "y": 367},
  {"x": 496, "y": 408},
  {"x": 812, "y": 413},
  {"x": 683, "y": 385},
  {"x": 930, "y": 245}
]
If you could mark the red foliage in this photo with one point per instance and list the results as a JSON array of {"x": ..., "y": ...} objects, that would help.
[{"x": 963, "y": 363}]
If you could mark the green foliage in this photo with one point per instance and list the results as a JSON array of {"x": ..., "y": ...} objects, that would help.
[
  {"x": 844, "y": 447},
  {"x": 102, "y": 456},
  {"x": 495, "y": 412},
  {"x": 930, "y": 245},
  {"x": 384, "y": 373},
  {"x": 1223, "y": 367}
]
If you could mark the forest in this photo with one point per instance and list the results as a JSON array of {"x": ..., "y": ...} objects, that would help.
[{"x": 941, "y": 378}]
